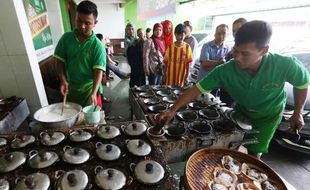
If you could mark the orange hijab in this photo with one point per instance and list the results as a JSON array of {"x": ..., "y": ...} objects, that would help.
[{"x": 167, "y": 38}]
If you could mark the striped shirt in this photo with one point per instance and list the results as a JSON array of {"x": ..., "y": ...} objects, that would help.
[{"x": 177, "y": 60}]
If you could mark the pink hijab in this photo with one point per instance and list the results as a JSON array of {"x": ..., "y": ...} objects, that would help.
[{"x": 158, "y": 41}]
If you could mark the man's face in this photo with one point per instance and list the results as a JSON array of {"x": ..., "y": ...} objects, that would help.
[
  {"x": 158, "y": 32},
  {"x": 235, "y": 28},
  {"x": 187, "y": 31},
  {"x": 180, "y": 37},
  {"x": 168, "y": 29},
  {"x": 248, "y": 56},
  {"x": 85, "y": 23},
  {"x": 220, "y": 35}
]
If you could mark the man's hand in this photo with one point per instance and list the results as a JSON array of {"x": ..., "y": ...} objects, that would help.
[
  {"x": 165, "y": 116},
  {"x": 93, "y": 99},
  {"x": 297, "y": 122},
  {"x": 64, "y": 88}
]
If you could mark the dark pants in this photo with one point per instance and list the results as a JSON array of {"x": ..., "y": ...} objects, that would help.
[
  {"x": 154, "y": 79},
  {"x": 137, "y": 80},
  {"x": 115, "y": 69}
]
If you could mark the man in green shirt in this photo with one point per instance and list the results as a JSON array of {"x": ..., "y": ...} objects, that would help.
[
  {"x": 81, "y": 59},
  {"x": 255, "y": 80}
]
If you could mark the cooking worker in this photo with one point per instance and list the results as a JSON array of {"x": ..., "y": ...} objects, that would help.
[
  {"x": 255, "y": 79},
  {"x": 81, "y": 59}
]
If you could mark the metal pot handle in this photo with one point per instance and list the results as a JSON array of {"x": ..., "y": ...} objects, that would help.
[
  {"x": 19, "y": 178},
  {"x": 123, "y": 127},
  {"x": 59, "y": 173},
  {"x": 99, "y": 144},
  {"x": 43, "y": 133},
  {"x": 66, "y": 148},
  {"x": 32, "y": 153},
  {"x": 132, "y": 167},
  {"x": 98, "y": 169}
]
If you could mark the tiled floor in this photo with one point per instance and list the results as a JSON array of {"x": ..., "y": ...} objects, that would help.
[{"x": 291, "y": 165}]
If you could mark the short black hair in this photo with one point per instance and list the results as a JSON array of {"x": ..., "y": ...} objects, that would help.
[
  {"x": 240, "y": 20},
  {"x": 87, "y": 7},
  {"x": 255, "y": 31},
  {"x": 179, "y": 29},
  {"x": 148, "y": 30},
  {"x": 99, "y": 36}
]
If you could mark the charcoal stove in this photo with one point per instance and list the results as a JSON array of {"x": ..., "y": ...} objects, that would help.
[
  {"x": 179, "y": 149},
  {"x": 122, "y": 163}
]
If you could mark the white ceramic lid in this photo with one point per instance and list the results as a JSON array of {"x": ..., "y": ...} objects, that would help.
[
  {"x": 11, "y": 161},
  {"x": 138, "y": 147},
  {"x": 53, "y": 139},
  {"x": 110, "y": 179},
  {"x": 79, "y": 136},
  {"x": 38, "y": 181},
  {"x": 107, "y": 152},
  {"x": 75, "y": 155},
  {"x": 108, "y": 132},
  {"x": 72, "y": 180},
  {"x": 135, "y": 129},
  {"x": 23, "y": 141},
  {"x": 149, "y": 171},
  {"x": 42, "y": 159}
]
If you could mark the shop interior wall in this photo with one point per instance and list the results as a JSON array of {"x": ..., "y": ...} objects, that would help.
[
  {"x": 183, "y": 12},
  {"x": 19, "y": 69}
]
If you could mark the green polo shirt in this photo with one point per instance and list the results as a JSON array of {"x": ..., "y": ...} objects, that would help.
[
  {"x": 81, "y": 60},
  {"x": 261, "y": 98},
  {"x": 263, "y": 92}
]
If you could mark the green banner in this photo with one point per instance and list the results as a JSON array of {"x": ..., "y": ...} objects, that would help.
[{"x": 38, "y": 22}]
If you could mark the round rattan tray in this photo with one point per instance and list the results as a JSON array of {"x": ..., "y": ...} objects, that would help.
[{"x": 200, "y": 166}]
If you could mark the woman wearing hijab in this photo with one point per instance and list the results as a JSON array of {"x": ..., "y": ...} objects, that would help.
[
  {"x": 167, "y": 32},
  {"x": 153, "y": 51},
  {"x": 129, "y": 36}
]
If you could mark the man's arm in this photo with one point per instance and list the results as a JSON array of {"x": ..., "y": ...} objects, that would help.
[
  {"x": 188, "y": 96},
  {"x": 300, "y": 97},
  {"x": 96, "y": 84},
  {"x": 64, "y": 86},
  {"x": 209, "y": 65}
]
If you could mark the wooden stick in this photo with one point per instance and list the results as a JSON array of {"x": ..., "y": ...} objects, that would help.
[{"x": 64, "y": 104}]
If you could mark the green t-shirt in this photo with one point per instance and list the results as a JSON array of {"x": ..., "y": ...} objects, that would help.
[
  {"x": 259, "y": 97},
  {"x": 81, "y": 60}
]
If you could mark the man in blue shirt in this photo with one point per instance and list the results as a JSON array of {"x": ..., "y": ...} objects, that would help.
[{"x": 214, "y": 52}]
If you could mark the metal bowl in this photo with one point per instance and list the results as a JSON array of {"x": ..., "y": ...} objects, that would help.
[{"x": 70, "y": 116}]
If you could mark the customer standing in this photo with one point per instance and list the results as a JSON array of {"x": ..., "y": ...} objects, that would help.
[
  {"x": 135, "y": 60},
  {"x": 213, "y": 53},
  {"x": 129, "y": 36},
  {"x": 177, "y": 58},
  {"x": 153, "y": 51},
  {"x": 192, "y": 41},
  {"x": 167, "y": 32},
  {"x": 81, "y": 59}
]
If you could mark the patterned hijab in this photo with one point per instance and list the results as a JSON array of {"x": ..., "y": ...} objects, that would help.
[
  {"x": 167, "y": 38},
  {"x": 158, "y": 41},
  {"x": 129, "y": 39}
]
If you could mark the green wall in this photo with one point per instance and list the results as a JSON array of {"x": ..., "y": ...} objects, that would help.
[
  {"x": 65, "y": 15},
  {"x": 200, "y": 23},
  {"x": 131, "y": 14}
]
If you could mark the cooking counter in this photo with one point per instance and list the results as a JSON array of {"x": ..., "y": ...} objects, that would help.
[
  {"x": 13, "y": 112},
  {"x": 179, "y": 149},
  {"x": 123, "y": 163}
]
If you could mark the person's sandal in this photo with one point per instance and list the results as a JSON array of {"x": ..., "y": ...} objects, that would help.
[{"x": 106, "y": 100}]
